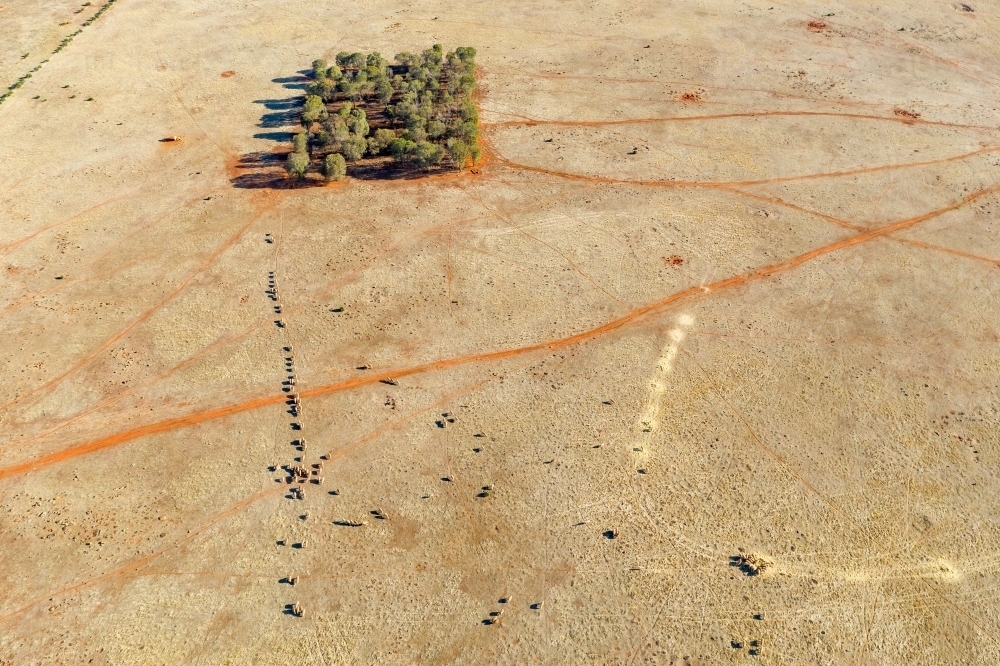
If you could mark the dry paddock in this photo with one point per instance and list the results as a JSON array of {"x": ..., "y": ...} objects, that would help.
[{"x": 699, "y": 366}]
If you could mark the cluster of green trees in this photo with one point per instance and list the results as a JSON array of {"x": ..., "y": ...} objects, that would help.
[{"x": 418, "y": 109}]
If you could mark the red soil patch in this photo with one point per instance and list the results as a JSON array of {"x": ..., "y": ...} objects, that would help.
[
  {"x": 816, "y": 26},
  {"x": 226, "y": 74}
]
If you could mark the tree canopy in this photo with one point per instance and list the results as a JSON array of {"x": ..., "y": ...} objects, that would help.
[{"x": 362, "y": 108}]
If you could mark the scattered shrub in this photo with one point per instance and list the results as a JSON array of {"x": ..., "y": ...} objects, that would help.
[
  {"x": 381, "y": 140},
  {"x": 300, "y": 143},
  {"x": 334, "y": 167},
  {"x": 353, "y": 148},
  {"x": 297, "y": 164}
]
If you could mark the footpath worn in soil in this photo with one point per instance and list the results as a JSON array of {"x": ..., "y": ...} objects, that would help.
[{"x": 699, "y": 365}]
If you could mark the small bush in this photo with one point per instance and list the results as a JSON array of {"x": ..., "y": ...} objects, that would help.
[
  {"x": 427, "y": 154},
  {"x": 380, "y": 141},
  {"x": 334, "y": 167},
  {"x": 314, "y": 110},
  {"x": 353, "y": 148},
  {"x": 300, "y": 142},
  {"x": 459, "y": 152},
  {"x": 402, "y": 149},
  {"x": 297, "y": 165}
]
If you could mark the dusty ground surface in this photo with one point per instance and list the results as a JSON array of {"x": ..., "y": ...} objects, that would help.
[{"x": 726, "y": 280}]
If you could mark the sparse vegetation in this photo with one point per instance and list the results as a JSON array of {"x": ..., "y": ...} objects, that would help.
[
  {"x": 63, "y": 44},
  {"x": 297, "y": 164},
  {"x": 416, "y": 112},
  {"x": 334, "y": 167}
]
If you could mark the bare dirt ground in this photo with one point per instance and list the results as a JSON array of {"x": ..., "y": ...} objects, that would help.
[{"x": 725, "y": 280}]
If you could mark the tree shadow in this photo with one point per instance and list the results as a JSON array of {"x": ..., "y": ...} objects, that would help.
[
  {"x": 278, "y": 137},
  {"x": 264, "y": 171},
  {"x": 298, "y": 82},
  {"x": 275, "y": 104},
  {"x": 385, "y": 168},
  {"x": 279, "y": 119}
]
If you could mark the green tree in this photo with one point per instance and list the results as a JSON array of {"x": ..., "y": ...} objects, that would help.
[
  {"x": 469, "y": 111},
  {"x": 436, "y": 129},
  {"x": 297, "y": 165},
  {"x": 427, "y": 154},
  {"x": 319, "y": 68},
  {"x": 300, "y": 142},
  {"x": 414, "y": 120},
  {"x": 433, "y": 55},
  {"x": 353, "y": 148},
  {"x": 407, "y": 58},
  {"x": 376, "y": 65},
  {"x": 338, "y": 128},
  {"x": 322, "y": 88},
  {"x": 417, "y": 134},
  {"x": 355, "y": 60},
  {"x": 358, "y": 122},
  {"x": 313, "y": 110},
  {"x": 323, "y": 139},
  {"x": 402, "y": 149},
  {"x": 381, "y": 140},
  {"x": 350, "y": 89},
  {"x": 334, "y": 167},
  {"x": 384, "y": 90},
  {"x": 468, "y": 132},
  {"x": 459, "y": 152},
  {"x": 467, "y": 83}
]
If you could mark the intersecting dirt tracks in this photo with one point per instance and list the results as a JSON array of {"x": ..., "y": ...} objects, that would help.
[{"x": 724, "y": 284}]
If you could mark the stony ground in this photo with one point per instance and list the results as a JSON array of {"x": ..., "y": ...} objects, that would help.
[{"x": 722, "y": 294}]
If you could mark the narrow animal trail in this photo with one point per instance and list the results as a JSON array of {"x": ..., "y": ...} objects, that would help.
[
  {"x": 147, "y": 314},
  {"x": 860, "y": 227},
  {"x": 730, "y": 184},
  {"x": 324, "y": 292},
  {"x": 701, "y": 85},
  {"x": 297, "y": 472},
  {"x": 135, "y": 566},
  {"x": 904, "y": 120},
  {"x": 948, "y": 250},
  {"x": 64, "y": 284},
  {"x": 109, "y": 271},
  {"x": 202, "y": 353},
  {"x": 7, "y": 247},
  {"x": 444, "y": 364}
]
